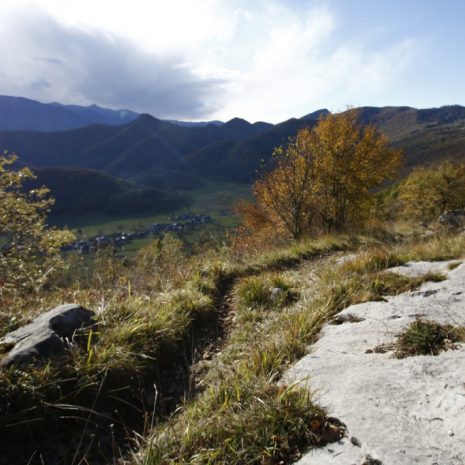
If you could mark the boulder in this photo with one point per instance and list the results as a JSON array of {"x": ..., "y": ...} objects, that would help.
[
  {"x": 453, "y": 219},
  {"x": 46, "y": 337}
]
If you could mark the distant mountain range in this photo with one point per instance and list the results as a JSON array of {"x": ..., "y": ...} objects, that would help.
[
  {"x": 22, "y": 114},
  {"x": 148, "y": 158}
]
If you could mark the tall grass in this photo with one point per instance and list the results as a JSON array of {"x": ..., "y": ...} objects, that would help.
[
  {"x": 149, "y": 312},
  {"x": 224, "y": 425}
]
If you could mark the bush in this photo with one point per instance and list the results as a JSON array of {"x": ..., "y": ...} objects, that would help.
[{"x": 30, "y": 251}]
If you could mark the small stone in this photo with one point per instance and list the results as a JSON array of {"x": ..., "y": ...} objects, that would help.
[
  {"x": 450, "y": 433},
  {"x": 371, "y": 461},
  {"x": 355, "y": 441},
  {"x": 276, "y": 293}
]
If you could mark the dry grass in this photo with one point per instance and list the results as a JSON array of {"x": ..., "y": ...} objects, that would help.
[
  {"x": 261, "y": 352},
  {"x": 148, "y": 313}
]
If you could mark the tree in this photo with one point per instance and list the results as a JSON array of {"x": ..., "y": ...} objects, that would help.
[
  {"x": 324, "y": 178},
  {"x": 351, "y": 161},
  {"x": 29, "y": 250},
  {"x": 428, "y": 192},
  {"x": 287, "y": 193}
]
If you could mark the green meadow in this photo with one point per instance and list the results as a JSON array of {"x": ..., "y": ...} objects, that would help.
[{"x": 212, "y": 199}]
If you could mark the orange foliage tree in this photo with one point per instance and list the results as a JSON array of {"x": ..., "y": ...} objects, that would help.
[{"x": 323, "y": 180}]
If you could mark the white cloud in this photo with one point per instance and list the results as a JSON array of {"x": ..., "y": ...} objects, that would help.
[
  {"x": 262, "y": 60},
  {"x": 51, "y": 61},
  {"x": 298, "y": 67}
]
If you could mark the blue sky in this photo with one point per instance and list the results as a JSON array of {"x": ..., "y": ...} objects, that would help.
[{"x": 215, "y": 59}]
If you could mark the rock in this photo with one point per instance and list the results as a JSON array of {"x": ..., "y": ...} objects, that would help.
[
  {"x": 346, "y": 318},
  {"x": 453, "y": 219},
  {"x": 276, "y": 293},
  {"x": 401, "y": 410},
  {"x": 46, "y": 337}
]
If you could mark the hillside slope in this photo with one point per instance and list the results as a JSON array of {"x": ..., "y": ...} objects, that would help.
[
  {"x": 429, "y": 135},
  {"x": 153, "y": 152},
  {"x": 128, "y": 150},
  {"x": 83, "y": 191}
]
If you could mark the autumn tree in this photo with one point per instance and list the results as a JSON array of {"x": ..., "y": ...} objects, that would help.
[
  {"x": 428, "y": 192},
  {"x": 351, "y": 161},
  {"x": 29, "y": 250},
  {"x": 325, "y": 177},
  {"x": 286, "y": 194}
]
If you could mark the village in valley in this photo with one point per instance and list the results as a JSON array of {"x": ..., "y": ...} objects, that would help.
[{"x": 180, "y": 224}]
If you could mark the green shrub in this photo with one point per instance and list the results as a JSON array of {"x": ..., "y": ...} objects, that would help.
[{"x": 424, "y": 337}]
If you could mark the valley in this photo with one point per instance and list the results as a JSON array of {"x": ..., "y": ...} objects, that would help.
[{"x": 213, "y": 199}]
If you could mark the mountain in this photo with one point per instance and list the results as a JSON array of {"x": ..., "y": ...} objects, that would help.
[
  {"x": 96, "y": 114},
  {"x": 151, "y": 153},
  {"x": 22, "y": 114},
  {"x": 18, "y": 113},
  {"x": 426, "y": 135},
  {"x": 129, "y": 151},
  {"x": 316, "y": 115},
  {"x": 84, "y": 168},
  {"x": 194, "y": 123},
  {"x": 82, "y": 191},
  {"x": 239, "y": 161}
]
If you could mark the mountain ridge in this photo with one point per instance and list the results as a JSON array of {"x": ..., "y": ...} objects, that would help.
[{"x": 153, "y": 153}]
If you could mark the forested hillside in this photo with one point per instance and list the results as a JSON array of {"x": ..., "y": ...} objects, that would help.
[{"x": 153, "y": 153}]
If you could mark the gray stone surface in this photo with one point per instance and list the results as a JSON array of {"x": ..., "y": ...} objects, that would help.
[
  {"x": 401, "y": 411},
  {"x": 46, "y": 337}
]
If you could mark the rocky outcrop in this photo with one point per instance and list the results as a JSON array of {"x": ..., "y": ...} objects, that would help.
[
  {"x": 397, "y": 411},
  {"x": 45, "y": 338}
]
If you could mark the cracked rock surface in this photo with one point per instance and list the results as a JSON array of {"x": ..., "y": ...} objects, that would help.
[
  {"x": 397, "y": 411},
  {"x": 46, "y": 337}
]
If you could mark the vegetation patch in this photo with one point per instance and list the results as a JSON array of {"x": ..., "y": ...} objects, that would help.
[
  {"x": 454, "y": 265},
  {"x": 425, "y": 337},
  {"x": 126, "y": 368},
  {"x": 249, "y": 420},
  {"x": 265, "y": 291}
]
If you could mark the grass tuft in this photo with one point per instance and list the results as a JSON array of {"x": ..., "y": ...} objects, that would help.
[
  {"x": 242, "y": 420},
  {"x": 259, "y": 292},
  {"x": 454, "y": 265},
  {"x": 425, "y": 337}
]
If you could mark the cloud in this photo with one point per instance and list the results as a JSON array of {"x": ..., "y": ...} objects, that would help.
[
  {"x": 50, "y": 61},
  {"x": 300, "y": 64},
  {"x": 197, "y": 59}
]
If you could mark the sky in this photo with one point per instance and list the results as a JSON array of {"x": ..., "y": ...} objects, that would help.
[{"x": 262, "y": 60}]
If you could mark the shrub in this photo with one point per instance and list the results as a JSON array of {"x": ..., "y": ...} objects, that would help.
[
  {"x": 29, "y": 250},
  {"x": 424, "y": 337}
]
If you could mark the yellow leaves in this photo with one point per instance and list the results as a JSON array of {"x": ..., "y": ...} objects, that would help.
[
  {"x": 323, "y": 179},
  {"x": 30, "y": 251},
  {"x": 427, "y": 192},
  {"x": 351, "y": 161}
]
